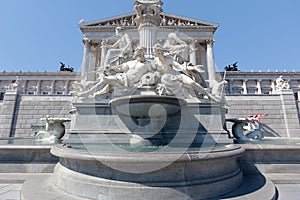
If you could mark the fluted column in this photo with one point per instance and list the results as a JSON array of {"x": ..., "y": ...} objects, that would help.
[
  {"x": 85, "y": 60},
  {"x": 210, "y": 62},
  {"x": 147, "y": 19},
  {"x": 148, "y": 39}
]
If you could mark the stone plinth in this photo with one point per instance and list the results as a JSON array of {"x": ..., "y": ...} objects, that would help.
[{"x": 190, "y": 122}]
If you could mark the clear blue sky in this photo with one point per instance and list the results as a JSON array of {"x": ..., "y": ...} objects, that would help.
[{"x": 259, "y": 34}]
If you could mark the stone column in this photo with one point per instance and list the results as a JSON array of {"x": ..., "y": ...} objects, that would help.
[
  {"x": 85, "y": 60},
  {"x": 103, "y": 52},
  {"x": 147, "y": 19},
  {"x": 67, "y": 84},
  {"x": 244, "y": 86},
  {"x": 38, "y": 87},
  {"x": 52, "y": 87},
  {"x": 258, "y": 85},
  {"x": 193, "y": 53},
  {"x": 92, "y": 64},
  {"x": 210, "y": 62},
  {"x": 202, "y": 48},
  {"x": 24, "y": 87},
  {"x": 230, "y": 86},
  {"x": 273, "y": 86},
  {"x": 148, "y": 39}
]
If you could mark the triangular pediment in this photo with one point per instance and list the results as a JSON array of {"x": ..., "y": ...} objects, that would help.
[{"x": 167, "y": 20}]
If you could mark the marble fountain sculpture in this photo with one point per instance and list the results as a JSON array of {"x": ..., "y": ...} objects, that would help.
[{"x": 147, "y": 127}]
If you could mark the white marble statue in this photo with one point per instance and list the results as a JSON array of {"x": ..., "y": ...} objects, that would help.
[
  {"x": 126, "y": 78},
  {"x": 54, "y": 130},
  {"x": 281, "y": 84},
  {"x": 120, "y": 51},
  {"x": 217, "y": 88},
  {"x": 15, "y": 84},
  {"x": 173, "y": 76},
  {"x": 177, "y": 48}
]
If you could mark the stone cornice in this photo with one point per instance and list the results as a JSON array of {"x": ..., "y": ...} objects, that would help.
[
  {"x": 62, "y": 74},
  {"x": 240, "y": 73},
  {"x": 103, "y": 24}
]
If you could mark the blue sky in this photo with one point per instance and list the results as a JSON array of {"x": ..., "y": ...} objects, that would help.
[{"x": 262, "y": 35}]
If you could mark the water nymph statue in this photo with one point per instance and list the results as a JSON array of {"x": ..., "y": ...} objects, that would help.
[
  {"x": 127, "y": 75},
  {"x": 173, "y": 77}
]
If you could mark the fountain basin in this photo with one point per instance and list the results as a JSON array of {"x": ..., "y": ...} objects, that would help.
[
  {"x": 24, "y": 155},
  {"x": 157, "y": 175},
  {"x": 140, "y": 105}
]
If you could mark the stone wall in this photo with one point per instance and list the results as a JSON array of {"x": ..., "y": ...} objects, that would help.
[
  {"x": 19, "y": 112},
  {"x": 30, "y": 109},
  {"x": 283, "y": 116}
]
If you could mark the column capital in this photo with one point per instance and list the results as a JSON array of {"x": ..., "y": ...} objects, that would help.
[
  {"x": 194, "y": 45},
  {"x": 86, "y": 42},
  {"x": 93, "y": 48},
  {"x": 210, "y": 42},
  {"x": 103, "y": 43}
]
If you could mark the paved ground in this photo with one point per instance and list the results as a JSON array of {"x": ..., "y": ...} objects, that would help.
[
  {"x": 10, "y": 188},
  {"x": 10, "y": 191},
  {"x": 288, "y": 191}
]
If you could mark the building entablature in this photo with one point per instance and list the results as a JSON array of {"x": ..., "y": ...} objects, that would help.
[
  {"x": 167, "y": 20},
  {"x": 192, "y": 29}
]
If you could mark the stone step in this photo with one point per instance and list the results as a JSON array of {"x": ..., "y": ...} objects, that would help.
[{"x": 284, "y": 178}]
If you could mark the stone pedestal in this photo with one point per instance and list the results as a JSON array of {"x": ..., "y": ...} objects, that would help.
[{"x": 161, "y": 120}]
